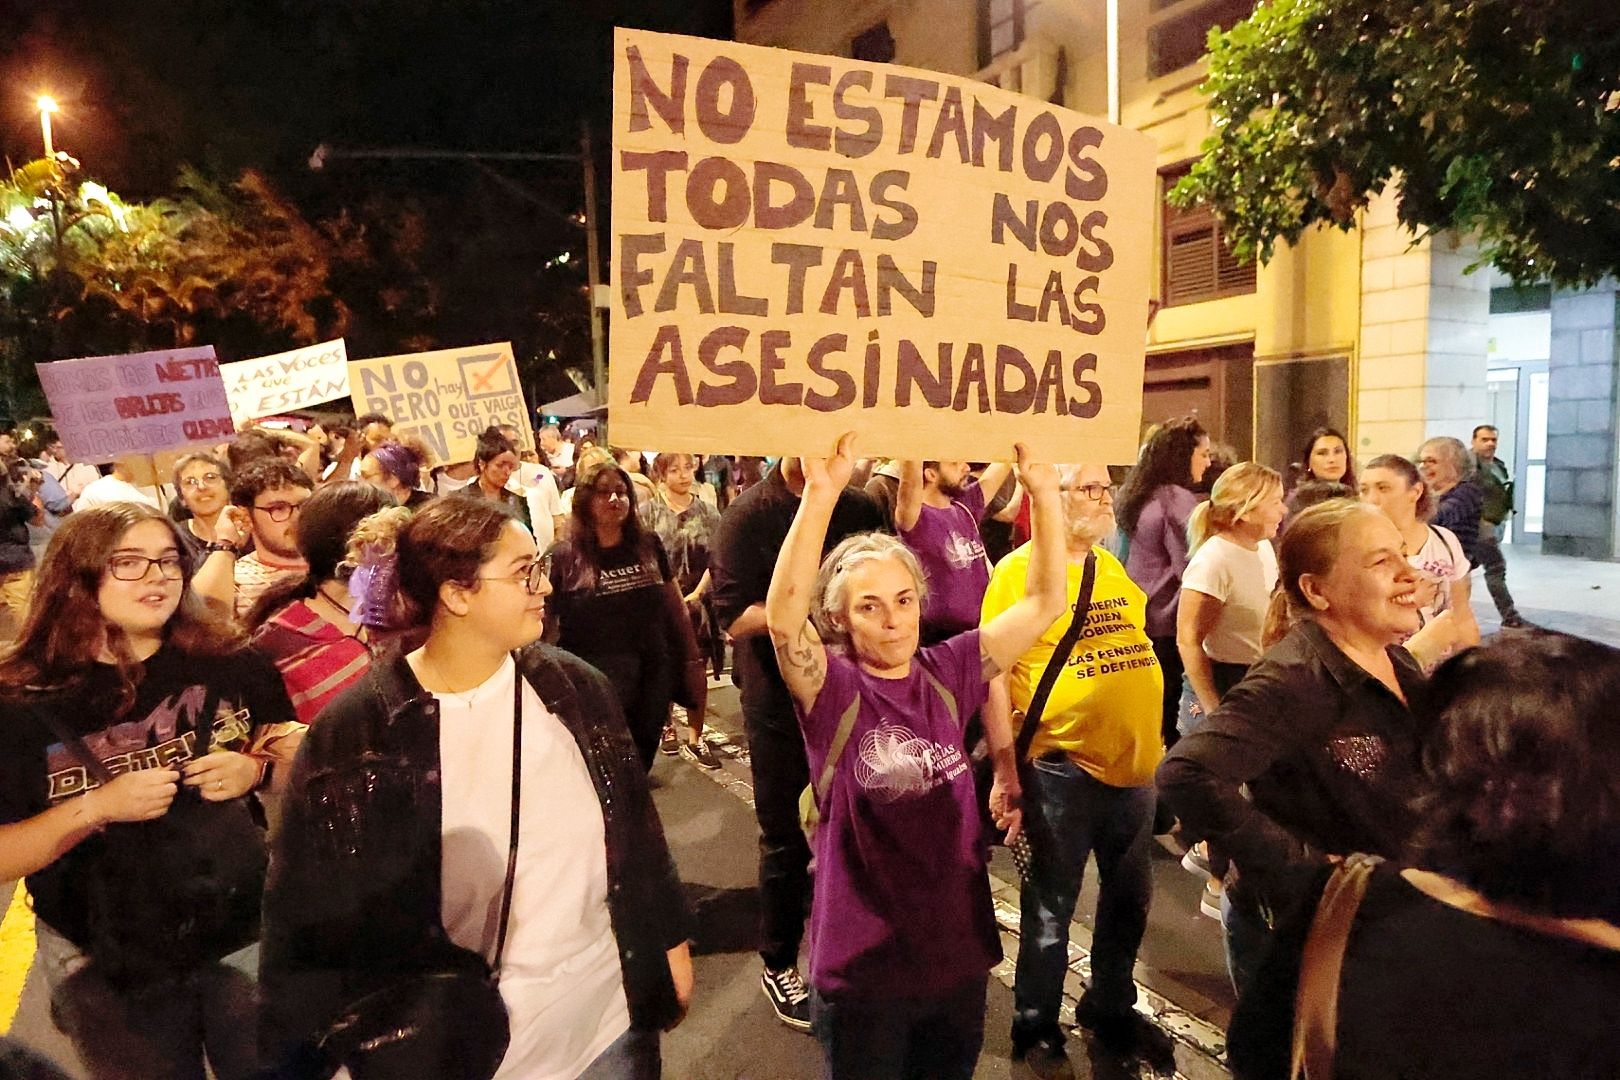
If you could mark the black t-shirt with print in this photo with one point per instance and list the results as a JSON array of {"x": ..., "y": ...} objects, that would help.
[
  {"x": 619, "y": 609},
  {"x": 179, "y": 696}
]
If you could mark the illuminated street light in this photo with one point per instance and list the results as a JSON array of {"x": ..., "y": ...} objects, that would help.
[{"x": 46, "y": 105}]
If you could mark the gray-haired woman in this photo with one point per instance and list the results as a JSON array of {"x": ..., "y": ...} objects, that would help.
[{"x": 902, "y": 934}]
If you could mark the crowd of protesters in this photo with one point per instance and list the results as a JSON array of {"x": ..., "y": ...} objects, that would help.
[{"x": 256, "y": 765}]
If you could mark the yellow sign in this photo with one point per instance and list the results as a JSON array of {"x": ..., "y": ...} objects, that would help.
[
  {"x": 446, "y": 398},
  {"x": 805, "y": 244}
]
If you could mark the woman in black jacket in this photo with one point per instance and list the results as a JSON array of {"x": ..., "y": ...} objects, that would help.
[
  {"x": 1471, "y": 955},
  {"x": 1319, "y": 730},
  {"x": 392, "y": 856}
]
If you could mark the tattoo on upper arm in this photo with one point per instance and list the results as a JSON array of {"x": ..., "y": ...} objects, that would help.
[
  {"x": 803, "y": 658},
  {"x": 987, "y": 664}
]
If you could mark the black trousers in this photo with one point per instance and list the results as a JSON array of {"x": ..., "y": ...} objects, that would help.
[
  {"x": 781, "y": 773},
  {"x": 1170, "y": 664}
]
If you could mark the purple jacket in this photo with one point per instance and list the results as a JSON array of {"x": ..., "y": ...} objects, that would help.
[{"x": 1158, "y": 554}]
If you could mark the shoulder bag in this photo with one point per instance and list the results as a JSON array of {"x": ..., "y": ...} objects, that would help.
[
  {"x": 1020, "y": 847},
  {"x": 1316, "y": 1003},
  {"x": 450, "y": 1023},
  {"x": 168, "y": 896}
]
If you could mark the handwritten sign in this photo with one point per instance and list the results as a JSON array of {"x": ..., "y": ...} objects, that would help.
[
  {"x": 446, "y": 398},
  {"x": 141, "y": 403},
  {"x": 805, "y": 245},
  {"x": 286, "y": 381}
]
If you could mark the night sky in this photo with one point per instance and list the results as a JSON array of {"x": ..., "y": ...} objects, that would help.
[{"x": 228, "y": 85}]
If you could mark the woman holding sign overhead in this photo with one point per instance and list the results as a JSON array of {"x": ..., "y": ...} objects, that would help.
[{"x": 902, "y": 934}]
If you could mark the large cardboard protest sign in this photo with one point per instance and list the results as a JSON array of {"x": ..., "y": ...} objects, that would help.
[
  {"x": 446, "y": 398},
  {"x": 285, "y": 381},
  {"x": 140, "y": 403},
  {"x": 805, "y": 244}
]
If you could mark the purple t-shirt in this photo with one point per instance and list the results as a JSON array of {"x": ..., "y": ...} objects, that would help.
[
  {"x": 902, "y": 902},
  {"x": 946, "y": 542}
]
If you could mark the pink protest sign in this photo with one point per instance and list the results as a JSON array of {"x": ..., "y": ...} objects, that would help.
[{"x": 140, "y": 403}]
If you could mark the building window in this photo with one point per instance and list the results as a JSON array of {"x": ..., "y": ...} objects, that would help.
[
  {"x": 1198, "y": 261},
  {"x": 1178, "y": 40},
  {"x": 1001, "y": 28},
  {"x": 875, "y": 45}
]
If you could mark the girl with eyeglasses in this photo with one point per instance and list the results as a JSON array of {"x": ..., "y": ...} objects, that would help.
[
  {"x": 618, "y": 606},
  {"x": 392, "y": 854},
  {"x": 137, "y": 729}
]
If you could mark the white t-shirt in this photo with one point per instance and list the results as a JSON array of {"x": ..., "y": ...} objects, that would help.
[
  {"x": 110, "y": 489},
  {"x": 1439, "y": 562},
  {"x": 560, "y": 976},
  {"x": 563, "y": 456},
  {"x": 545, "y": 503},
  {"x": 1242, "y": 580}
]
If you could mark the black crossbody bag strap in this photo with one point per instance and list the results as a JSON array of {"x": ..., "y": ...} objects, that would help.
[
  {"x": 517, "y": 796},
  {"x": 75, "y": 746},
  {"x": 1060, "y": 657}
]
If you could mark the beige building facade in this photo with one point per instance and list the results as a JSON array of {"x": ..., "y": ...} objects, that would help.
[{"x": 1365, "y": 330}]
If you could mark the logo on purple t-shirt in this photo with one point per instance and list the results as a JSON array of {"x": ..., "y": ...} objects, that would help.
[{"x": 894, "y": 763}]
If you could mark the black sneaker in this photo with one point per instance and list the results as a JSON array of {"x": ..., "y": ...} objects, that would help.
[
  {"x": 669, "y": 743},
  {"x": 1047, "y": 1060},
  {"x": 700, "y": 754},
  {"x": 1128, "y": 1035},
  {"x": 788, "y": 996}
]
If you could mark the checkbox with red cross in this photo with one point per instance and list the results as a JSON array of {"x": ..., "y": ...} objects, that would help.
[{"x": 486, "y": 375}]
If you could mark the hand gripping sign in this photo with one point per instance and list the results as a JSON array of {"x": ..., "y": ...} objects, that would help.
[{"x": 804, "y": 245}]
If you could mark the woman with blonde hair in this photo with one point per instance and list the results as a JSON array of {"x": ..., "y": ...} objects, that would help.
[
  {"x": 1319, "y": 730},
  {"x": 1225, "y": 592},
  {"x": 1230, "y": 575}
]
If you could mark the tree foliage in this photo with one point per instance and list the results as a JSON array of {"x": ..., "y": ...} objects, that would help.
[
  {"x": 1494, "y": 118},
  {"x": 83, "y": 272}
]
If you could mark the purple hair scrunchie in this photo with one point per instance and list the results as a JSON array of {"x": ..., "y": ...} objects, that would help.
[{"x": 373, "y": 587}]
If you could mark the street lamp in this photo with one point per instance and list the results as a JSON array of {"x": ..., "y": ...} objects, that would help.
[{"x": 47, "y": 105}]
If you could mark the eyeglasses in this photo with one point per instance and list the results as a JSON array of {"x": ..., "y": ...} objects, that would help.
[
  {"x": 612, "y": 494},
  {"x": 531, "y": 579},
  {"x": 1094, "y": 492},
  {"x": 207, "y": 479},
  {"x": 136, "y": 567},
  {"x": 280, "y": 511}
]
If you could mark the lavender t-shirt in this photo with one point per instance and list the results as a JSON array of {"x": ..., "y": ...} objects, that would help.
[
  {"x": 947, "y": 543},
  {"x": 902, "y": 903}
]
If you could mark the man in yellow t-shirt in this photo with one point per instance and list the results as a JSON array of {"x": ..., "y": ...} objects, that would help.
[{"x": 1090, "y": 793}]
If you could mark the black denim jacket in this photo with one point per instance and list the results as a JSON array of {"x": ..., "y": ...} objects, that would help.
[{"x": 353, "y": 898}]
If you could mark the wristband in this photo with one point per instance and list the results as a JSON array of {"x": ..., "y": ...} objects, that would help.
[{"x": 222, "y": 545}]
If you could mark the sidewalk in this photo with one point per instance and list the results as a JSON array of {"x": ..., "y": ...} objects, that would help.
[{"x": 1576, "y": 596}]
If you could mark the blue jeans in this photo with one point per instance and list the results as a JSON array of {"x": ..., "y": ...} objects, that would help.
[
  {"x": 1076, "y": 816},
  {"x": 163, "y": 1030},
  {"x": 901, "y": 1038},
  {"x": 1248, "y": 927},
  {"x": 635, "y": 1055}
]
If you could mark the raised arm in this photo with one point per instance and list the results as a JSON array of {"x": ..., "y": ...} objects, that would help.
[
  {"x": 994, "y": 475},
  {"x": 799, "y": 652},
  {"x": 1010, "y": 634},
  {"x": 909, "y": 497}
]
